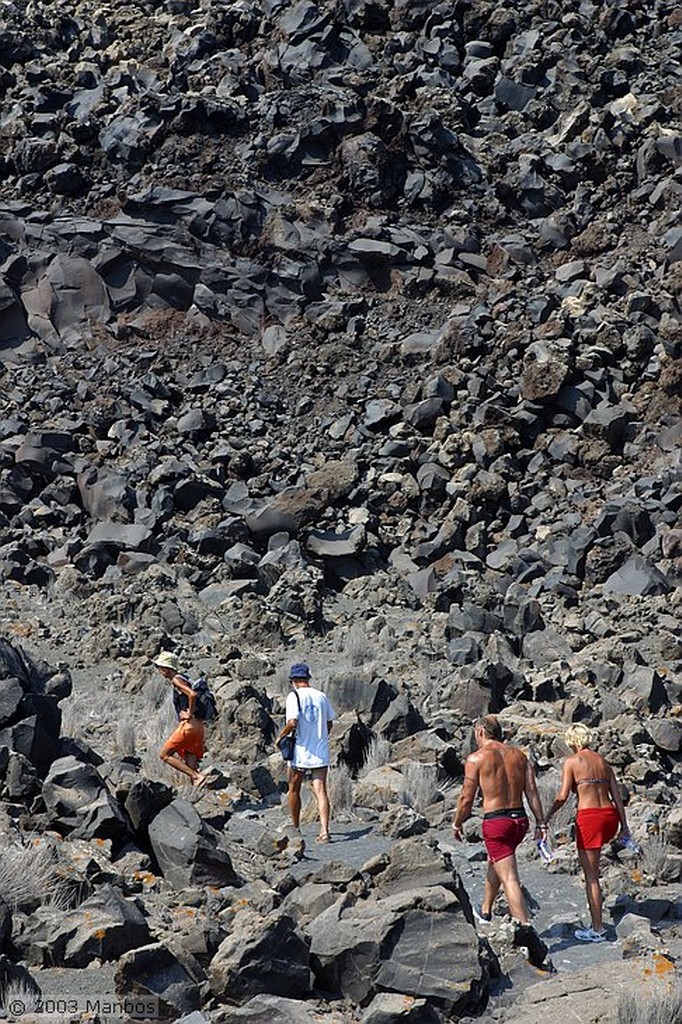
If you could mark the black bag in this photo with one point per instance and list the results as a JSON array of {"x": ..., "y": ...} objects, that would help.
[
  {"x": 205, "y": 707},
  {"x": 286, "y": 746},
  {"x": 288, "y": 743}
]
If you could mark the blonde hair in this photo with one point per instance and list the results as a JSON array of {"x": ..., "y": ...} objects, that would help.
[{"x": 578, "y": 736}]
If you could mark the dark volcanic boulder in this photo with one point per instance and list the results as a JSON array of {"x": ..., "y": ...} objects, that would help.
[
  {"x": 187, "y": 849},
  {"x": 78, "y": 801},
  {"x": 154, "y": 971},
  {"x": 102, "y": 928},
  {"x": 30, "y": 718},
  {"x": 261, "y": 954}
]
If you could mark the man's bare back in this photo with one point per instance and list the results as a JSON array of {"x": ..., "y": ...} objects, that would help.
[{"x": 502, "y": 774}]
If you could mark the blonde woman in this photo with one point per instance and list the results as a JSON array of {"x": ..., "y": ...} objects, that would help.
[{"x": 600, "y": 816}]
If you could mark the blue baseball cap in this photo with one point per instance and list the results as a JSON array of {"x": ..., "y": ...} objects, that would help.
[{"x": 299, "y": 671}]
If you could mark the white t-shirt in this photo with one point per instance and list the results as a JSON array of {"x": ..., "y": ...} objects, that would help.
[{"x": 312, "y": 737}]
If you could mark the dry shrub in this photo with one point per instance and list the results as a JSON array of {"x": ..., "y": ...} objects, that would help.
[
  {"x": 421, "y": 785},
  {"x": 548, "y": 787},
  {"x": 28, "y": 875},
  {"x": 72, "y": 719},
  {"x": 651, "y": 1007},
  {"x": 155, "y": 693},
  {"x": 154, "y": 732},
  {"x": 282, "y": 683},
  {"x": 20, "y": 995},
  {"x": 356, "y": 646},
  {"x": 80, "y": 718},
  {"x": 308, "y": 805},
  {"x": 340, "y": 787},
  {"x": 653, "y": 857},
  {"x": 339, "y": 790},
  {"x": 377, "y": 755},
  {"x": 126, "y": 736}
]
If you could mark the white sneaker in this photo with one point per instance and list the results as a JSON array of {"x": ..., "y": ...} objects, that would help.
[{"x": 590, "y": 935}]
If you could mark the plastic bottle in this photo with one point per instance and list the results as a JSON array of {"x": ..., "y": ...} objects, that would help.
[
  {"x": 628, "y": 843},
  {"x": 545, "y": 850}
]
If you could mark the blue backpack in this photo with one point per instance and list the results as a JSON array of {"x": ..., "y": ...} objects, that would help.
[{"x": 205, "y": 707}]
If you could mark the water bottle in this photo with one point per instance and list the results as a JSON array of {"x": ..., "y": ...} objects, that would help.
[
  {"x": 545, "y": 850},
  {"x": 628, "y": 843}
]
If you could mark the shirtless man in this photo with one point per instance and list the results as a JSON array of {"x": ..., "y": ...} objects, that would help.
[
  {"x": 504, "y": 775},
  {"x": 184, "y": 748}
]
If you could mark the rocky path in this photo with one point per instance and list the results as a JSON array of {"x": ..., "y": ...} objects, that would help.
[
  {"x": 587, "y": 980},
  {"x": 557, "y": 900}
]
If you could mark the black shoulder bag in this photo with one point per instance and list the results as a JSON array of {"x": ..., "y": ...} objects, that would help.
[{"x": 288, "y": 742}]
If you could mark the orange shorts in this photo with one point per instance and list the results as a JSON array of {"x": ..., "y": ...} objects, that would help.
[{"x": 188, "y": 738}]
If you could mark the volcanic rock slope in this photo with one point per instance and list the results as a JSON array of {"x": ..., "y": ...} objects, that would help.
[
  {"x": 364, "y": 313},
  {"x": 363, "y": 298}
]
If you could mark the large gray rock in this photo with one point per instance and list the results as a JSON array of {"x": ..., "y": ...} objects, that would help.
[
  {"x": 102, "y": 928},
  {"x": 261, "y": 954},
  {"x": 400, "y": 719},
  {"x": 417, "y": 942},
  {"x": 269, "y": 1009},
  {"x": 188, "y": 850},
  {"x": 396, "y": 1008},
  {"x": 155, "y": 971},
  {"x": 353, "y": 691},
  {"x": 144, "y": 800},
  {"x": 78, "y": 801},
  {"x": 30, "y": 717},
  {"x": 638, "y": 577}
]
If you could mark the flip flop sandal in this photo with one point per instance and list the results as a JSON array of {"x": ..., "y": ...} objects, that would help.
[{"x": 323, "y": 839}]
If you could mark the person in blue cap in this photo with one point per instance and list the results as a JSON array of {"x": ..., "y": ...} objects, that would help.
[{"x": 310, "y": 715}]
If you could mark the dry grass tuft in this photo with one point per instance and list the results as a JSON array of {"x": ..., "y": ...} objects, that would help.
[
  {"x": 654, "y": 857},
  {"x": 155, "y": 693},
  {"x": 18, "y": 994},
  {"x": 421, "y": 786},
  {"x": 126, "y": 736},
  {"x": 356, "y": 645},
  {"x": 548, "y": 787},
  {"x": 647, "y": 1007},
  {"x": 378, "y": 753},
  {"x": 154, "y": 733},
  {"x": 340, "y": 787},
  {"x": 28, "y": 875}
]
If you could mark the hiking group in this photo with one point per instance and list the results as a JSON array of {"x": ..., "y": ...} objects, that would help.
[
  {"x": 500, "y": 771},
  {"x": 504, "y": 775}
]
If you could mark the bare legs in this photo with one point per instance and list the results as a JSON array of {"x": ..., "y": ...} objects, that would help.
[
  {"x": 505, "y": 873},
  {"x": 294, "y": 796},
  {"x": 320, "y": 791},
  {"x": 589, "y": 860},
  {"x": 186, "y": 767},
  {"x": 319, "y": 784}
]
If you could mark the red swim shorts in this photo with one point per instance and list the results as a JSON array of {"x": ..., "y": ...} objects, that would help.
[
  {"x": 188, "y": 738},
  {"x": 595, "y": 826},
  {"x": 502, "y": 835}
]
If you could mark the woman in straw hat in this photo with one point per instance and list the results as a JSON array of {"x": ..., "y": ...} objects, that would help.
[
  {"x": 600, "y": 815},
  {"x": 184, "y": 749}
]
